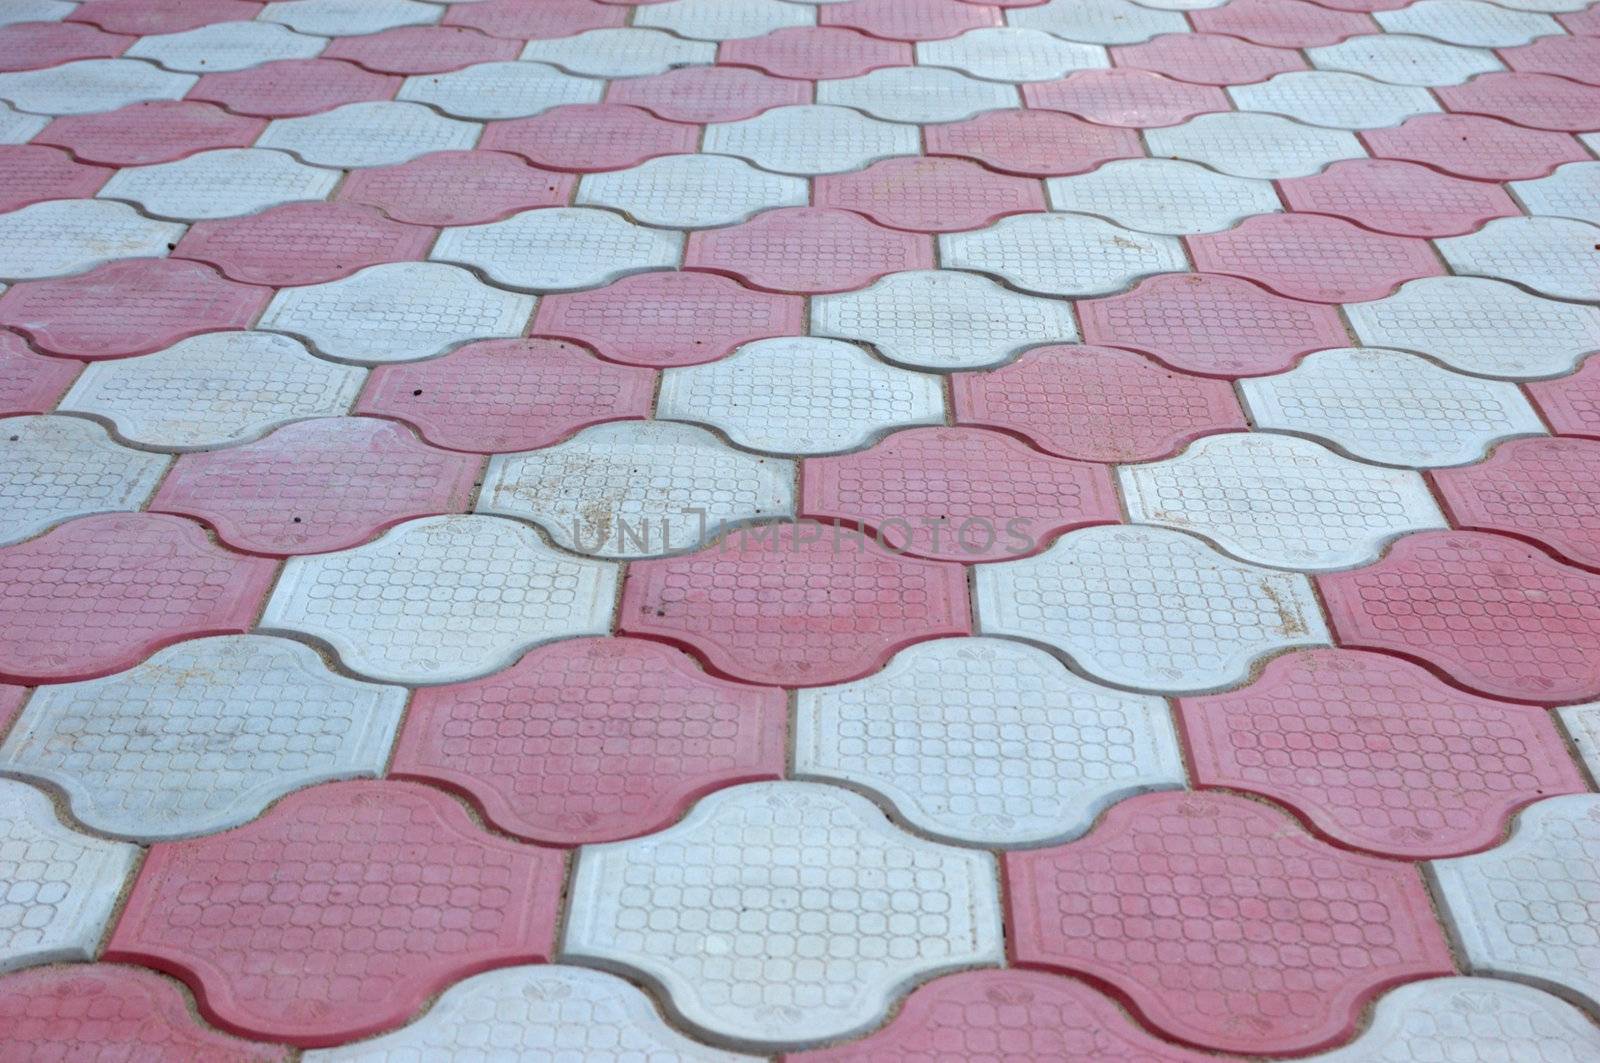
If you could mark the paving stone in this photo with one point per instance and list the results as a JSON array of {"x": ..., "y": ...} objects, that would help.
[
  {"x": 1314, "y": 257},
  {"x": 637, "y": 489},
  {"x": 209, "y": 910},
  {"x": 1033, "y": 143},
  {"x": 71, "y": 235},
  {"x": 1545, "y": 490},
  {"x": 536, "y": 746},
  {"x": 710, "y": 93},
  {"x": 1398, "y": 197},
  {"x": 1333, "y": 98},
  {"x": 146, "y": 133},
  {"x": 722, "y": 20},
  {"x": 303, "y": 243},
  {"x": 1553, "y": 256},
  {"x": 1401, "y": 60},
  {"x": 1526, "y": 909},
  {"x": 800, "y": 396},
  {"x": 1468, "y": 22},
  {"x": 128, "y": 307},
  {"x": 812, "y": 139},
  {"x": 909, "y": 20},
  {"x": 929, "y": 194},
  {"x": 807, "y": 250},
  {"x": 1537, "y": 100},
  {"x": 815, "y": 52},
  {"x": 18, "y": 128},
  {"x": 54, "y": 1013},
  {"x": 560, "y": 248},
  {"x": 202, "y": 737},
  {"x": 1062, "y": 254},
  {"x": 221, "y": 184},
  {"x": 212, "y": 390},
  {"x": 30, "y": 383},
  {"x": 397, "y": 312},
  {"x": 61, "y": 886},
  {"x": 535, "y": 1011},
  {"x": 1328, "y": 929},
  {"x": 1208, "y": 58},
  {"x": 379, "y": 133},
  {"x": 1475, "y": 146},
  {"x": 917, "y": 94},
  {"x": 548, "y": 18},
  {"x": 340, "y": 18},
  {"x": 457, "y": 188},
  {"x": 100, "y": 593},
  {"x": 290, "y": 88},
  {"x": 587, "y": 137},
  {"x": 1002, "y": 53},
  {"x": 31, "y": 10},
  {"x": 1571, "y": 404},
  {"x": 57, "y": 468},
  {"x": 621, "y": 52},
  {"x": 442, "y": 599},
  {"x": 1137, "y": 98},
  {"x": 32, "y": 173},
  {"x": 1568, "y": 57},
  {"x": 160, "y": 16},
  {"x": 945, "y": 912},
  {"x": 1572, "y": 191},
  {"x": 1480, "y": 326},
  {"x": 1269, "y": 146},
  {"x": 29, "y": 45},
  {"x": 1582, "y": 723},
  {"x": 225, "y": 46},
  {"x": 509, "y": 89},
  {"x": 1164, "y": 196},
  {"x": 91, "y": 85},
  {"x": 1098, "y": 21},
  {"x": 692, "y": 191},
  {"x": 421, "y": 49},
  {"x": 1283, "y": 23}
]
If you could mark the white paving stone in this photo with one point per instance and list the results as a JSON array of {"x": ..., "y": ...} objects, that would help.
[
  {"x": 35, "y": 11},
  {"x": 62, "y": 236},
  {"x": 621, "y": 52},
  {"x": 724, "y": 20},
  {"x": 338, "y": 18},
  {"x": 1005, "y": 53},
  {"x": 637, "y": 488},
  {"x": 812, "y": 139},
  {"x": 226, "y": 46},
  {"x": 1280, "y": 500},
  {"x": 57, "y": 887},
  {"x": 1402, "y": 60},
  {"x": 202, "y": 736},
  {"x": 1254, "y": 145},
  {"x": 1572, "y": 191},
  {"x": 442, "y": 599},
  {"x": 19, "y": 128},
  {"x": 375, "y": 133},
  {"x": 800, "y": 396},
  {"x": 1062, "y": 254},
  {"x": 1555, "y": 256},
  {"x": 1164, "y": 196},
  {"x": 56, "y": 468},
  {"x": 988, "y": 742},
  {"x": 784, "y": 913},
  {"x": 693, "y": 191},
  {"x": 1336, "y": 99},
  {"x": 215, "y": 389},
  {"x": 1391, "y": 407},
  {"x": 1098, "y": 21},
  {"x": 943, "y": 319},
  {"x": 918, "y": 94},
  {"x": 220, "y": 184},
  {"x": 1480, "y": 326},
  {"x": 539, "y": 1012},
  {"x": 560, "y": 248},
  {"x": 501, "y": 90},
  {"x": 1545, "y": 5},
  {"x": 1529, "y": 908},
  {"x": 88, "y": 86},
  {"x": 1471, "y": 1020},
  {"x": 398, "y": 312},
  {"x": 1149, "y": 607},
  {"x": 1469, "y": 22},
  {"x": 1583, "y": 725}
]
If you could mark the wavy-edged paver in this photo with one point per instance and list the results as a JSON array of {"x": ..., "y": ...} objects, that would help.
[
  {"x": 1472, "y": 22},
  {"x": 1125, "y": 97},
  {"x": 815, "y": 52},
  {"x": 1552, "y": 256},
  {"x": 934, "y": 194},
  {"x": 1166, "y": 196},
  {"x": 277, "y": 941},
  {"x": 1571, "y": 403},
  {"x": 160, "y": 16},
  {"x": 421, "y": 49},
  {"x": 1315, "y": 257},
  {"x": 917, "y": 94},
  {"x": 944, "y": 912},
  {"x": 374, "y": 133},
  {"x": 148, "y": 133},
  {"x": 90, "y": 85},
  {"x": 1476, "y": 146},
  {"x": 709, "y": 93},
  {"x": 811, "y": 139},
  {"x": 291, "y": 88},
  {"x": 530, "y": 745},
  {"x": 808, "y": 250},
  {"x": 1540, "y": 489},
  {"x": 1538, "y": 101},
  {"x": 559, "y": 248},
  {"x": 591, "y": 137},
  {"x": 303, "y": 243},
  {"x": 1402, "y": 198},
  {"x": 457, "y": 188},
  {"x": 509, "y": 89},
  {"x": 620, "y": 52},
  {"x": 908, "y": 20},
  {"x": 1572, "y": 191},
  {"x": 223, "y": 183},
  {"x": 1208, "y": 58},
  {"x": 55, "y": 468},
  {"x": 1222, "y": 923},
  {"x": 225, "y": 46},
  {"x": 691, "y": 191},
  {"x": 29, "y": 382},
  {"x": 1098, "y": 21},
  {"x": 1575, "y": 57},
  {"x": 202, "y": 737},
  {"x": 1009, "y": 53},
  {"x": 515, "y": 20},
  {"x": 1283, "y": 23},
  {"x": 1247, "y": 144},
  {"x": 31, "y": 173},
  {"x": 65, "y": 236},
  {"x": 722, "y": 20},
  {"x": 1033, "y": 143},
  {"x": 1062, "y": 254},
  {"x": 26, "y": 44},
  {"x": 1403, "y": 60}
]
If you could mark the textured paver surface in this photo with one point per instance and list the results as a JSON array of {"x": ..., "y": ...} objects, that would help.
[{"x": 821, "y": 530}]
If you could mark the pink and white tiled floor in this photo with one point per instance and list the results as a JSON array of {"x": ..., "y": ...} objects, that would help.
[{"x": 867, "y": 530}]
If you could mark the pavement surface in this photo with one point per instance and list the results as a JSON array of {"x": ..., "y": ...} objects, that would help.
[{"x": 876, "y": 530}]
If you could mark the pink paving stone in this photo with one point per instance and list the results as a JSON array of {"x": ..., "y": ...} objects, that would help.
[
  {"x": 1540, "y": 101},
  {"x": 958, "y": 494},
  {"x": 36, "y": 45},
  {"x": 1097, "y": 403},
  {"x": 146, "y": 133},
  {"x": 421, "y": 49},
  {"x": 794, "y": 605},
  {"x": 709, "y": 93},
  {"x": 1033, "y": 143},
  {"x": 503, "y": 396},
  {"x": 1571, "y": 404},
  {"x": 589, "y": 137},
  {"x": 31, "y": 173},
  {"x": 1136, "y": 98},
  {"x": 1208, "y": 58},
  {"x": 339, "y": 912},
  {"x": 1493, "y": 614},
  {"x": 1546, "y": 490},
  {"x": 29, "y": 382},
  {"x": 592, "y": 740},
  {"x": 1310, "y": 256},
  {"x": 1577, "y": 58},
  {"x": 303, "y": 243},
  {"x": 1377, "y": 753},
  {"x": 815, "y": 52},
  {"x": 1399, "y": 197},
  {"x": 457, "y": 188},
  {"x": 910, "y": 20},
  {"x": 1582, "y": 22},
  {"x": 318, "y": 485},
  {"x": 133, "y": 306},
  {"x": 670, "y": 318},
  {"x": 99, "y": 594},
  {"x": 930, "y": 195},
  {"x": 520, "y": 20},
  {"x": 1223, "y": 923},
  {"x": 1470, "y": 145},
  {"x": 162, "y": 16},
  {"x": 1204, "y": 323},
  {"x": 291, "y": 87},
  {"x": 807, "y": 250},
  {"x": 1282, "y": 23},
  {"x": 1016, "y": 1016}
]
